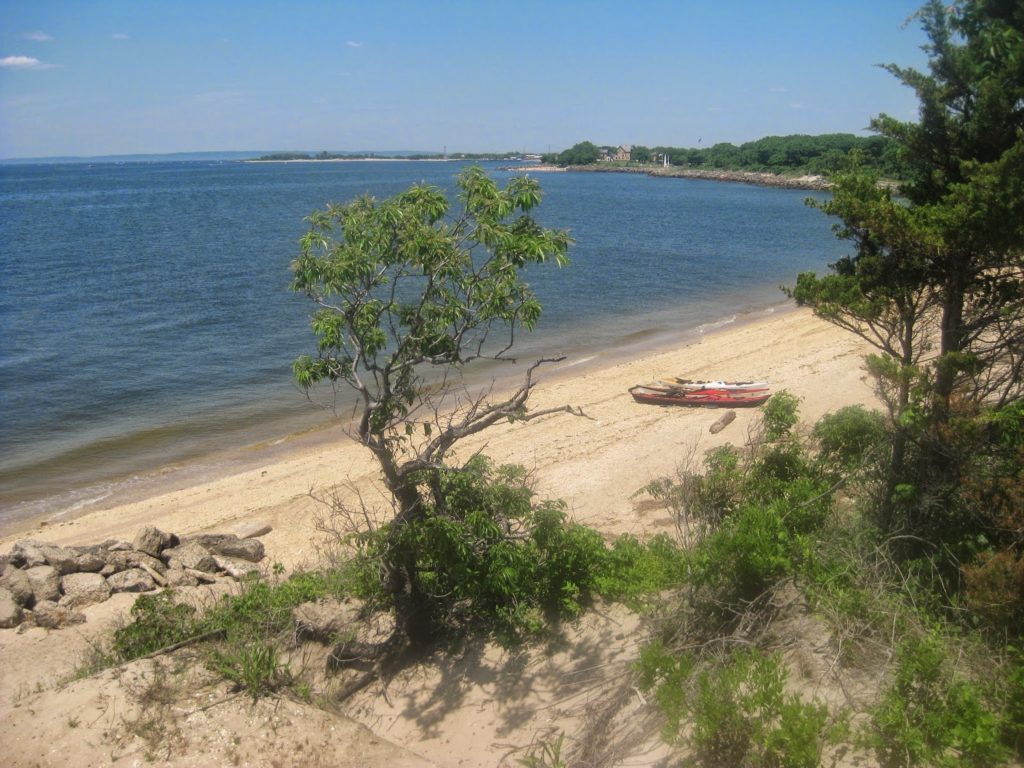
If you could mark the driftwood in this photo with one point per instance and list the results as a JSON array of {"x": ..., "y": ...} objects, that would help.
[{"x": 723, "y": 421}]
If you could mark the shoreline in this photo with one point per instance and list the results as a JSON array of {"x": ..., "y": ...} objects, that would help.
[
  {"x": 245, "y": 451},
  {"x": 775, "y": 180},
  {"x": 594, "y": 464}
]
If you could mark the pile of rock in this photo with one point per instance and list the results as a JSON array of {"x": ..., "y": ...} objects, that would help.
[{"x": 45, "y": 584}]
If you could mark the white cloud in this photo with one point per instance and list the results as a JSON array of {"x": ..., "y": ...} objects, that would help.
[
  {"x": 119, "y": 36},
  {"x": 797, "y": 105},
  {"x": 777, "y": 89},
  {"x": 353, "y": 44},
  {"x": 39, "y": 37},
  {"x": 24, "y": 62}
]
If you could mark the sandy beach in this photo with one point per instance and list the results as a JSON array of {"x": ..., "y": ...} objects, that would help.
[{"x": 595, "y": 464}]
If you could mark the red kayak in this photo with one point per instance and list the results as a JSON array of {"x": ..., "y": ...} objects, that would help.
[{"x": 718, "y": 398}]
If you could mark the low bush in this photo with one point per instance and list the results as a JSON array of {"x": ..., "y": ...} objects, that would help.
[
  {"x": 847, "y": 437},
  {"x": 734, "y": 711},
  {"x": 156, "y": 622},
  {"x": 490, "y": 559},
  {"x": 930, "y": 716}
]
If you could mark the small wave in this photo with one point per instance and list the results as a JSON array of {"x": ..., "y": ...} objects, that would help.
[
  {"x": 83, "y": 503},
  {"x": 574, "y": 363},
  {"x": 705, "y": 327}
]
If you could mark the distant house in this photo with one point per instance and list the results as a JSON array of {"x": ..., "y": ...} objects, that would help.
[{"x": 623, "y": 152}]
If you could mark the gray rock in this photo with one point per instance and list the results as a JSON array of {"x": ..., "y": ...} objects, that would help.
[
  {"x": 155, "y": 575},
  {"x": 16, "y": 582},
  {"x": 89, "y": 559},
  {"x": 201, "y": 576},
  {"x": 245, "y": 549},
  {"x": 152, "y": 540},
  {"x": 132, "y": 580},
  {"x": 229, "y": 545},
  {"x": 235, "y": 567},
  {"x": 252, "y": 530},
  {"x": 122, "y": 561},
  {"x": 5, "y": 561},
  {"x": 64, "y": 559},
  {"x": 82, "y": 589},
  {"x": 176, "y": 577},
  {"x": 28, "y": 554},
  {"x": 52, "y": 616},
  {"x": 191, "y": 555},
  {"x": 10, "y": 612},
  {"x": 45, "y": 582},
  {"x": 113, "y": 545}
]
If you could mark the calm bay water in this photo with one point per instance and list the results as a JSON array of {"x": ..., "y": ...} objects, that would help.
[{"x": 146, "y": 320}]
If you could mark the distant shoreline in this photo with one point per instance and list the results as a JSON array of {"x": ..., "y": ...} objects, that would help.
[
  {"x": 357, "y": 160},
  {"x": 808, "y": 182}
]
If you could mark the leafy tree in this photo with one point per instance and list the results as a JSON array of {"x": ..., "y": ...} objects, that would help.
[
  {"x": 640, "y": 154},
  {"x": 408, "y": 293},
  {"x": 965, "y": 165},
  {"x": 942, "y": 263},
  {"x": 584, "y": 153}
]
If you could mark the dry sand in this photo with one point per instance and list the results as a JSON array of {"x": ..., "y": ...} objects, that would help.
[{"x": 475, "y": 711}]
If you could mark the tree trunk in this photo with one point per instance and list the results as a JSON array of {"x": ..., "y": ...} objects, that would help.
[
  {"x": 897, "y": 459},
  {"x": 413, "y": 617},
  {"x": 951, "y": 341}
]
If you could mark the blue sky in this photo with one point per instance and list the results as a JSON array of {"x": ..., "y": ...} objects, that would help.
[{"x": 79, "y": 77}]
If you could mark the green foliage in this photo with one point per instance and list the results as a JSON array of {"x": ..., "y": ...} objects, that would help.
[
  {"x": 253, "y": 667},
  {"x": 407, "y": 291},
  {"x": 734, "y": 711},
  {"x": 405, "y": 284},
  {"x": 700, "y": 502},
  {"x": 493, "y": 560},
  {"x": 795, "y": 154},
  {"x": 156, "y": 622},
  {"x": 632, "y": 569},
  {"x": 490, "y": 558},
  {"x": 1013, "y": 702},
  {"x": 263, "y": 609},
  {"x": 933, "y": 283},
  {"x": 545, "y": 754},
  {"x": 583, "y": 153},
  {"x": 751, "y": 551},
  {"x": 779, "y": 415},
  {"x": 241, "y": 629},
  {"x": 847, "y": 437},
  {"x": 930, "y": 717}
]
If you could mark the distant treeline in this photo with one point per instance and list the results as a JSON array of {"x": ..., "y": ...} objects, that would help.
[{"x": 797, "y": 154}]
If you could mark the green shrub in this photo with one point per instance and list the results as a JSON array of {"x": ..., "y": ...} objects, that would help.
[
  {"x": 1013, "y": 702},
  {"x": 779, "y": 415},
  {"x": 253, "y": 667},
  {"x": 632, "y": 568},
  {"x": 490, "y": 558},
  {"x": 929, "y": 717},
  {"x": 156, "y": 622},
  {"x": 750, "y": 553},
  {"x": 847, "y": 436},
  {"x": 734, "y": 711}
]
